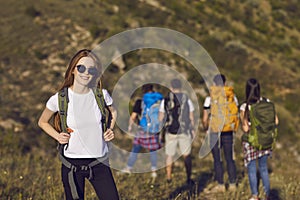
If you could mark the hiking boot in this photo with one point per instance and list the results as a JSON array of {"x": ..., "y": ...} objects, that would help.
[
  {"x": 190, "y": 182},
  {"x": 267, "y": 198},
  {"x": 254, "y": 198},
  {"x": 232, "y": 187},
  {"x": 218, "y": 188},
  {"x": 169, "y": 181}
]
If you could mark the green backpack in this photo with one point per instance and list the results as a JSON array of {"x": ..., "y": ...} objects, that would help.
[{"x": 263, "y": 130}]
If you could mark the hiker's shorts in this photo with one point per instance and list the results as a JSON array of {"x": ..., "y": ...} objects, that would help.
[{"x": 184, "y": 141}]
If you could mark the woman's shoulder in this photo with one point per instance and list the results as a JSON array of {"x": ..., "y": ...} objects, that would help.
[{"x": 52, "y": 103}]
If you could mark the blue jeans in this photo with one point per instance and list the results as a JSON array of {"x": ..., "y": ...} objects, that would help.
[
  {"x": 226, "y": 143},
  {"x": 263, "y": 170},
  {"x": 134, "y": 153}
]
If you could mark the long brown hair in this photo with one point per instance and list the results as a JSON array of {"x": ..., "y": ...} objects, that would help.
[{"x": 69, "y": 77}]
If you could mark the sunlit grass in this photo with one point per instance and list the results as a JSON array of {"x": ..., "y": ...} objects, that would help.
[{"x": 36, "y": 175}]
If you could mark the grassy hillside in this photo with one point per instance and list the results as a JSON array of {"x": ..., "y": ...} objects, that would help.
[{"x": 246, "y": 38}]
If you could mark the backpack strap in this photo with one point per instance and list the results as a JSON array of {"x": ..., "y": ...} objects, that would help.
[
  {"x": 182, "y": 122},
  {"x": 169, "y": 104},
  {"x": 101, "y": 104},
  {"x": 63, "y": 100}
]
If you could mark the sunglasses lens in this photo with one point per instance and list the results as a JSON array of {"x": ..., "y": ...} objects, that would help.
[
  {"x": 81, "y": 68},
  {"x": 92, "y": 71}
]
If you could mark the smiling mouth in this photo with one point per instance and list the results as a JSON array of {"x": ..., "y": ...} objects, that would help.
[{"x": 85, "y": 77}]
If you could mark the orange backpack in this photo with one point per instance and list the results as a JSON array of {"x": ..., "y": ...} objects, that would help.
[{"x": 223, "y": 109}]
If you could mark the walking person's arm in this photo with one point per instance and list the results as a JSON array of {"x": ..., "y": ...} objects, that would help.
[
  {"x": 131, "y": 121},
  {"x": 244, "y": 121},
  {"x": 205, "y": 119},
  {"x": 192, "y": 120}
]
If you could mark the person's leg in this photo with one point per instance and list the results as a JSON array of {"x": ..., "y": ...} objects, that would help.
[
  {"x": 185, "y": 146},
  {"x": 218, "y": 166},
  {"x": 227, "y": 143},
  {"x": 263, "y": 170},
  {"x": 153, "y": 159},
  {"x": 170, "y": 148},
  {"x": 169, "y": 167},
  {"x": 103, "y": 182},
  {"x": 133, "y": 155},
  {"x": 188, "y": 167},
  {"x": 252, "y": 176},
  {"x": 79, "y": 183}
]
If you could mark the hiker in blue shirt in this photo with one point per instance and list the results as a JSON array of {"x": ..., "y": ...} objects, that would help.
[{"x": 147, "y": 135}]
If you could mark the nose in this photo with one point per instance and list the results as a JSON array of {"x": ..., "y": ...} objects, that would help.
[{"x": 86, "y": 72}]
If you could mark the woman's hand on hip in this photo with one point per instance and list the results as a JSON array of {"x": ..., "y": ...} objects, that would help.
[
  {"x": 63, "y": 138},
  {"x": 109, "y": 135}
]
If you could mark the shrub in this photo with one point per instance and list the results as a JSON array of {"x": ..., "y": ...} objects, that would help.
[
  {"x": 97, "y": 31},
  {"x": 32, "y": 11},
  {"x": 40, "y": 55},
  {"x": 279, "y": 16}
]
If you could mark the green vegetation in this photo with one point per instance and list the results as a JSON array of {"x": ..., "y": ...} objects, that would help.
[{"x": 246, "y": 38}]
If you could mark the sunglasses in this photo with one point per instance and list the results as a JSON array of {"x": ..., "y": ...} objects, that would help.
[{"x": 92, "y": 71}]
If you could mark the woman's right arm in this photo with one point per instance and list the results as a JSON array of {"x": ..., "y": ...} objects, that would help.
[
  {"x": 43, "y": 122},
  {"x": 132, "y": 118}
]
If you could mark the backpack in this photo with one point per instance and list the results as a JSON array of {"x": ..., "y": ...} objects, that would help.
[
  {"x": 178, "y": 113},
  {"x": 63, "y": 100},
  {"x": 223, "y": 110},
  {"x": 149, "y": 121},
  {"x": 263, "y": 130}
]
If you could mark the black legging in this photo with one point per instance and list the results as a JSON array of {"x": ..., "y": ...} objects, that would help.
[{"x": 102, "y": 180}]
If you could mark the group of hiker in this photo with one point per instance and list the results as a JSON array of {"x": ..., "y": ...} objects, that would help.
[
  {"x": 81, "y": 107},
  {"x": 176, "y": 113}
]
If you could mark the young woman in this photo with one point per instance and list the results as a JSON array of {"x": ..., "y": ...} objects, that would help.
[
  {"x": 85, "y": 142},
  {"x": 251, "y": 155}
]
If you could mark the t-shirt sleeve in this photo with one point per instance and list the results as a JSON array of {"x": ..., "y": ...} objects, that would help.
[
  {"x": 137, "y": 107},
  {"x": 52, "y": 103},
  {"x": 191, "y": 106},
  {"x": 107, "y": 98},
  {"x": 236, "y": 100},
  {"x": 243, "y": 107},
  {"x": 206, "y": 104}
]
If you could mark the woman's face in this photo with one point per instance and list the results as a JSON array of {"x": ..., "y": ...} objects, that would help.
[{"x": 84, "y": 71}]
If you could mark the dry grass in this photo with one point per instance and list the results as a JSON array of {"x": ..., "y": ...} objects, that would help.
[{"x": 36, "y": 175}]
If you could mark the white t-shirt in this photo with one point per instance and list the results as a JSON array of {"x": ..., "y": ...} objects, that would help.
[
  {"x": 84, "y": 118},
  {"x": 162, "y": 106}
]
